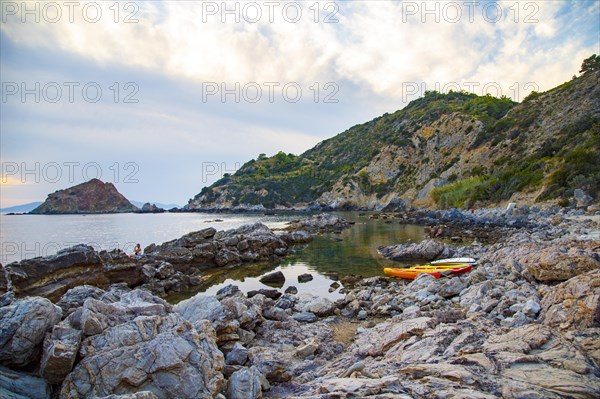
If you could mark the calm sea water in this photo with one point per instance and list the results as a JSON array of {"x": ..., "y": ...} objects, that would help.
[{"x": 354, "y": 251}]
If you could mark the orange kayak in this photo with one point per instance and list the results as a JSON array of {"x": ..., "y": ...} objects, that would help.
[{"x": 437, "y": 272}]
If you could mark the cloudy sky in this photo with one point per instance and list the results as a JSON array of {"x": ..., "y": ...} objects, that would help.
[{"x": 163, "y": 97}]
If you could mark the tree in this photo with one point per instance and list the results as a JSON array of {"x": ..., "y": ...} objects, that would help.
[{"x": 591, "y": 64}]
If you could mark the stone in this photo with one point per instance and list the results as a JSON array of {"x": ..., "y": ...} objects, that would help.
[
  {"x": 452, "y": 287},
  {"x": 574, "y": 303},
  {"x": 52, "y": 276},
  {"x": 307, "y": 349},
  {"x": 531, "y": 308},
  {"x": 75, "y": 297},
  {"x": 377, "y": 340},
  {"x": 245, "y": 384},
  {"x": 291, "y": 290},
  {"x": 136, "y": 395},
  {"x": 552, "y": 264},
  {"x": 238, "y": 355},
  {"x": 20, "y": 385},
  {"x": 273, "y": 278},
  {"x": 271, "y": 362},
  {"x": 426, "y": 250},
  {"x": 269, "y": 293},
  {"x": 59, "y": 353},
  {"x": 304, "y": 278},
  {"x": 305, "y": 317},
  {"x": 166, "y": 355},
  {"x": 23, "y": 326},
  {"x": 320, "y": 306},
  {"x": 319, "y": 223},
  {"x": 164, "y": 270},
  {"x": 227, "y": 291}
]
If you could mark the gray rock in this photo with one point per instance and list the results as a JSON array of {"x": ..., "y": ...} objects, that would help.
[
  {"x": 452, "y": 287},
  {"x": 318, "y": 305},
  {"x": 305, "y": 317},
  {"x": 18, "y": 385},
  {"x": 137, "y": 395},
  {"x": 273, "y": 278},
  {"x": 75, "y": 297},
  {"x": 291, "y": 290},
  {"x": 23, "y": 325},
  {"x": 362, "y": 315},
  {"x": 229, "y": 290},
  {"x": 425, "y": 250},
  {"x": 304, "y": 278},
  {"x": 59, "y": 353},
  {"x": 237, "y": 356},
  {"x": 245, "y": 384},
  {"x": 531, "y": 308},
  {"x": 162, "y": 354}
]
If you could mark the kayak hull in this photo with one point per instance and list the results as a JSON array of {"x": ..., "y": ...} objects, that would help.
[
  {"x": 454, "y": 261},
  {"x": 413, "y": 272}
]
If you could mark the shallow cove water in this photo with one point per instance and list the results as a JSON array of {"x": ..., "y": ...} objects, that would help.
[{"x": 352, "y": 252}]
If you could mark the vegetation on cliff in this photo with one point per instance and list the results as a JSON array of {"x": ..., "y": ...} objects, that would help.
[{"x": 448, "y": 150}]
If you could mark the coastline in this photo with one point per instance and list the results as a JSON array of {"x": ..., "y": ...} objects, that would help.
[{"x": 532, "y": 304}]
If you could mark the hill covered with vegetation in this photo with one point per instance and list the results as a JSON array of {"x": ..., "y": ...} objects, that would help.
[{"x": 443, "y": 150}]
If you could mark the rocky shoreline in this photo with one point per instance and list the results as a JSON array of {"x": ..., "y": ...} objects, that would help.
[{"x": 524, "y": 324}]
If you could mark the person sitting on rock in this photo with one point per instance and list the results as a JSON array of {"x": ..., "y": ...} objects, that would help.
[{"x": 137, "y": 251}]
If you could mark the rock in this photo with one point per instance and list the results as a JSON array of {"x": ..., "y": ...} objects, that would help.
[
  {"x": 117, "y": 266},
  {"x": 452, "y": 287},
  {"x": 291, "y": 290},
  {"x": 151, "y": 208},
  {"x": 362, "y": 315},
  {"x": 377, "y": 340},
  {"x": 137, "y": 395},
  {"x": 426, "y": 250},
  {"x": 362, "y": 387},
  {"x": 52, "y": 276},
  {"x": 237, "y": 356},
  {"x": 75, "y": 297},
  {"x": 162, "y": 354},
  {"x": 320, "y": 306},
  {"x": 164, "y": 270},
  {"x": 531, "y": 308},
  {"x": 307, "y": 350},
  {"x": 59, "y": 353},
  {"x": 6, "y": 294},
  {"x": 273, "y": 278},
  {"x": 23, "y": 325},
  {"x": 272, "y": 363},
  {"x": 296, "y": 237},
  {"x": 269, "y": 293},
  {"x": 227, "y": 291},
  {"x": 574, "y": 303},
  {"x": 581, "y": 198},
  {"x": 319, "y": 223},
  {"x": 93, "y": 196},
  {"x": 304, "y": 278},
  {"x": 18, "y": 385},
  {"x": 551, "y": 264},
  {"x": 305, "y": 317},
  {"x": 245, "y": 384}
]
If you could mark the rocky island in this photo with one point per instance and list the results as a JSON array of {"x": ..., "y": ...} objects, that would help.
[
  {"x": 93, "y": 196},
  {"x": 524, "y": 324}
]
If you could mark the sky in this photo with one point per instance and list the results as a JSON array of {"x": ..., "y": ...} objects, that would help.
[{"x": 162, "y": 98}]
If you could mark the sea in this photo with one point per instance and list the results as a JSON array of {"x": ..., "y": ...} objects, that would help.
[{"x": 328, "y": 258}]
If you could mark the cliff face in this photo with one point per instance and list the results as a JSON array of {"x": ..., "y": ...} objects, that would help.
[
  {"x": 442, "y": 150},
  {"x": 93, "y": 196}
]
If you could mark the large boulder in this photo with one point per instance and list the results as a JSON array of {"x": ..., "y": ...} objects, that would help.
[
  {"x": 426, "y": 250},
  {"x": 162, "y": 354},
  {"x": 245, "y": 384},
  {"x": 60, "y": 352},
  {"x": 6, "y": 294},
  {"x": 18, "y": 385},
  {"x": 119, "y": 267},
  {"x": 319, "y": 224},
  {"x": 52, "y": 276},
  {"x": 75, "y": 297},
  {"x": 574, "y": 303},
  {"x": 552, "y": 264},
  {"x": 23, "y": 325}
]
